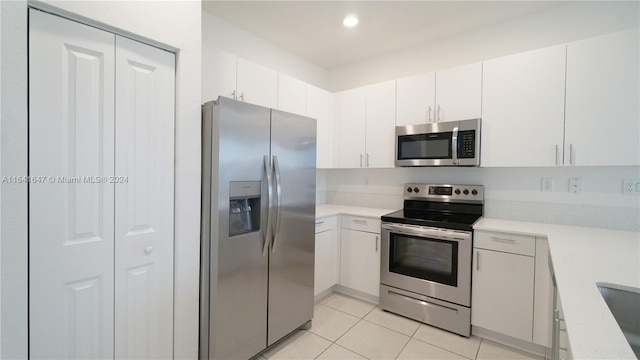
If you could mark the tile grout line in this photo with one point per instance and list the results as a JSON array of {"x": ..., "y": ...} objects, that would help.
[
  {"x": 447, "y": 350},
  {"x": 478, "y": 351}
]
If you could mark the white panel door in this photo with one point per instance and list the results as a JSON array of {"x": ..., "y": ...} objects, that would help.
[
  {"x": 349, "y": 117},
  {"x": 144, "y": 201},
  {"x": 380, "y": 125},
  {"x": 71, "y": 140},
  {"x": 415, "y": 99},
  {"x": 502, "y": 295},
  {"x": 459, "y": 93},
  {"x": 319, "y": 107},
  {"x": 292, "y": 94},
  {"x": 325, "y": 261},
  {"x": 603, "y": 116},
  {"x": 257, "y": 84},
  {"x": 523, "y": 109}
]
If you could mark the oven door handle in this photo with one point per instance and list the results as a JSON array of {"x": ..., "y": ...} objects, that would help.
[{"x": 427, "y": 232}]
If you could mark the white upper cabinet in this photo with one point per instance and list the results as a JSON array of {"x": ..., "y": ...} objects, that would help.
[
  {"x": 415, "y": 99},
  {"x": 447, "y": 95},
  {"x": 602, "y": 113},
  {"x": 218, "y": 74},
  {"x": 225, "y": 74},
  {"x": 523, "y": 109},
  {"x": 319, "y": 107},
  {"x": 459, "y": 93},
  {"x": 257, "y": 84},
  {"x": 349, "y": 117},
  {"x": 380, "y": 127},
  {"x": 365, "y": 118},
  {"x": 292, "y": 94}
]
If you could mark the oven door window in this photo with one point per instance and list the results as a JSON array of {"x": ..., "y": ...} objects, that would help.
[
  {"x": 424, "y": 258},
  {"x": 425, "y": 146}
]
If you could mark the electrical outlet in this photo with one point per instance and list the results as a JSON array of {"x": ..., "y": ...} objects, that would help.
[
  {"x": 575, "y": 185},
  {"x": 547, "y": 184},
  {"x": 631, "y": 186}
]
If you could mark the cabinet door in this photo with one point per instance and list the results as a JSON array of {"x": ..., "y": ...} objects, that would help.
[
  {"x": 603, "y": 117},
  {"x": 218, "y": 74},
  {"x": 349, "y": 115},
  {"x": 144, "y": 201},
  {"x": 71, "y": 239},
  {"x": 502, "y": 295},
  {"x": 360, "y": 261},
  {"x": 459, "y": 93},
  {"x": 415, "y": 99},
  {"x": 319, "y": 107},
  {"x": 325, "y": 261},
  {"x": 257, "y": 84},
  {"x": 292, "y": 94},
  {"x": 380, "y": 125},
  {"x": 543, "y": 300},
  {"x": 523, "y": 109}
]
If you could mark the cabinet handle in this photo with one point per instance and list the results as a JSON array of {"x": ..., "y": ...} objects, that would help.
[
  {"x": 242, "y": 96},
  {"x": 367, "y": 159},
  {"x": 477, "y": 260},
  {"x": 438, "y": 114},
  {"x": 429, "y": 114},
  {"x": 148, "y": 250},
  {"x": 319, "y": 222},
  {"x": 233, "y": 95},
  {"x": 377, "y": 237},
  {"x": 557, "y": 162},
  {"x": 501, "y": 239},
  {"x": 360, "y": 160},
  {"x": 361, "y": 222},
  {"x": 572, "y": 159}
]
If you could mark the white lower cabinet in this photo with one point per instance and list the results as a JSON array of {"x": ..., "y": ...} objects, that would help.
[
  {"x": 502, "y": 298},
  {"x": 360, "y": 261},
  {"x": 512, "y": 292},
  {"x": 360, "y": 254},
  {"x": 327, "y": 255}
]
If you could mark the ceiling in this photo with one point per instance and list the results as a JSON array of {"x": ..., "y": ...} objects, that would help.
[{"x": 313, "y": 30}]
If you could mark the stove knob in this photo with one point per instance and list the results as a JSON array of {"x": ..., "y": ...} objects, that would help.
[
  {"x": 416, "y": 190},
  {"x": 409, "y": 189},
  {"x": 474, "y": 192},
  {"x": 466, "y": 192},
  {"x": 457, "y": 191}
]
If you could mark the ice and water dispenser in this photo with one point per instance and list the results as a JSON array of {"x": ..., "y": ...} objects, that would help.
[{"x": 244, "y": 207}]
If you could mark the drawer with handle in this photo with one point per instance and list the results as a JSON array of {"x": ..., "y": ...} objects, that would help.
[
  {"x": 505, "y": 242},
  {"x": 361, "y": 223},
  {"x": 325, "y": 223}
]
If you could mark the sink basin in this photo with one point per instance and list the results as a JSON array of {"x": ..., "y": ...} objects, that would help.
[{"x": 624, "y": 303}]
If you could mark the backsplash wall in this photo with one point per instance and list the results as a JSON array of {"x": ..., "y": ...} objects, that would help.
[{"x": 510, "y": 193}]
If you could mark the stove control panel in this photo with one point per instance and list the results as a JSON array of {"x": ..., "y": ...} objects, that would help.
[{"x": 445, "y": 192}]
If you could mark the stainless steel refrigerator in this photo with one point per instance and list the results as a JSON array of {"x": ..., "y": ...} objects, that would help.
[{"x": 258, "y": 220}]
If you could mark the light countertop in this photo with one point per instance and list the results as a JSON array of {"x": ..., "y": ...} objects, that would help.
[
  {"x": 581, "y": 257},
  {"x": 325, "y": 210}
]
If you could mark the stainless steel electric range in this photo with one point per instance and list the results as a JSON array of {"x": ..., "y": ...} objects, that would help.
[{"x": 426, "y": 255}]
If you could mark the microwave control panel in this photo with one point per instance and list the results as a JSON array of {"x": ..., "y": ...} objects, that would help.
[{"x": 467, "y": 144}]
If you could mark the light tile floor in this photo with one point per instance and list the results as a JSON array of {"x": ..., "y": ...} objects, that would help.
[{"x": 346, "y": 328}]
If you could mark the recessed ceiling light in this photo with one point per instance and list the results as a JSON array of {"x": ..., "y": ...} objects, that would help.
[{"x": 350, "y": 21}]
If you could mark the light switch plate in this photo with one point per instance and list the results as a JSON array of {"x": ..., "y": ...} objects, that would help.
[{"x": 575, "y": 184}]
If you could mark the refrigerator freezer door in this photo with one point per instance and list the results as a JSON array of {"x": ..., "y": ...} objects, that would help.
[
  {"x": 238, "y": 268},
  {"x": 293, "y": 147}
]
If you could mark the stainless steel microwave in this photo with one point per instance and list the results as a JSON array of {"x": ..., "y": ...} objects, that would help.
[{"x": 452, "y": 143}]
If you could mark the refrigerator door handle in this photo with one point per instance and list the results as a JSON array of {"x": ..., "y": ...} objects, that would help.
[
  {"x": 276, "y": 228},
  {"x": 266, "y": 232}
]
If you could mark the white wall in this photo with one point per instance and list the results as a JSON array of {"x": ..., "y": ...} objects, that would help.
[
  {"x": 219, "y": 34},
  {"x": 556, "y": 25},
  {"x": 511, "y": 193},
  {"x": 171, "y": 24}
]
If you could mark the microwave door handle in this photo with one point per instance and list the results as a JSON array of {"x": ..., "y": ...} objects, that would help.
[{"x": 454, "y": 146}]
